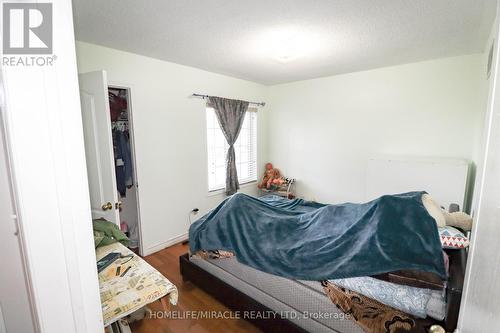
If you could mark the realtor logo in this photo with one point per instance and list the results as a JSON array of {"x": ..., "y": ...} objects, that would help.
[{"x": 27, "y": 28}]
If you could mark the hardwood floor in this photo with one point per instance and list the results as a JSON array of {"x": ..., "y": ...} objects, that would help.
[{"x": 191, "y": 298}]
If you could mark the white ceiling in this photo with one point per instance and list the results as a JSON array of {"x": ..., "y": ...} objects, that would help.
[{"x": 245, "y": 39}]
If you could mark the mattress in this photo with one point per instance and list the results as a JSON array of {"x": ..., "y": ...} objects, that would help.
[{"x": 302, "y": 302}]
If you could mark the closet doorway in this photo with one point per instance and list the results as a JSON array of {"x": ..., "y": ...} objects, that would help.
[
  {"x": 124, "y": 153},
  {"x": 110, "y": 153}
]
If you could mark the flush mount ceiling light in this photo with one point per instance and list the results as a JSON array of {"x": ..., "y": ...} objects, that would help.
[{"x": 286, "y": 44}]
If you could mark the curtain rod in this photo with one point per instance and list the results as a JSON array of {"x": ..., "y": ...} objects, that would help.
[{"x": 206, "y": 96}]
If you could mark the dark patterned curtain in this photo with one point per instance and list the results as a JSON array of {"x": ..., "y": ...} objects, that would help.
[{"x": 230, "y": 114}]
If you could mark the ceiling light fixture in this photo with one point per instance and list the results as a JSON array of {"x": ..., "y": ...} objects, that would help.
[{"x": 286, "y": 44}]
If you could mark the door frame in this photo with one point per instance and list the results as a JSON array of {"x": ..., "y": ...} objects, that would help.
[
  {"x": 44, "y": 126},
  {"x": 468, "y": 319},
  {"x": 16, "y": 215},
  {"x": 129, "y": 88}
]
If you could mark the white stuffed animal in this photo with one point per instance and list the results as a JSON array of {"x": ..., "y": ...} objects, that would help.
[
  {"x": 443, "y": 218},
  {"x": 434, "y": 210},
  {"x": 458, "y": 219}
]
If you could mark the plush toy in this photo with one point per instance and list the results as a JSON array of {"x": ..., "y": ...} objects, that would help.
[
  {"x": 278, "y": 181},
  {"x": 434, "y": 210},
  {"x": 271, "y": 175},
  {"x": 459, "y": 220},
  {"x": 443, "y": 218}
]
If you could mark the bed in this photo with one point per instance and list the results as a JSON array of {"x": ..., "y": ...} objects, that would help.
[
  {"x": 282, "y": 301},
  {"x": 245, "y": 289}
]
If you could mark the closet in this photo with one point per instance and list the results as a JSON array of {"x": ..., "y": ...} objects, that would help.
[
  {"x": 123, "y": 152},
  {"x": 109, "y": 150}
]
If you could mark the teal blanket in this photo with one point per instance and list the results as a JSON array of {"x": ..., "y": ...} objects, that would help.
[{"x": 312, "y": 241}]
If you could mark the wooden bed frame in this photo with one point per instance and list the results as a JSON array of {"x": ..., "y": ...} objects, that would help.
[{"x": 238, "y": 301}]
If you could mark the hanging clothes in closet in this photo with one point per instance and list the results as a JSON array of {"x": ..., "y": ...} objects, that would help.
[
  {"x": 123, "y": 161},
  {"x": 121, "y": 143}
]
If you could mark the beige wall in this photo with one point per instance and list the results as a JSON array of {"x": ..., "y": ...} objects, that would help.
[
  {"x": 323, "y": 131},
  {"x": 170, "y": 134}
]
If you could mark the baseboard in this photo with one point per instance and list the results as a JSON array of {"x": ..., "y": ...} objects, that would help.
[{"x": 167, "y": 243}]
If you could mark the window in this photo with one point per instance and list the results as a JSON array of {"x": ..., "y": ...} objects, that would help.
[{"x": 245, "y": 149}]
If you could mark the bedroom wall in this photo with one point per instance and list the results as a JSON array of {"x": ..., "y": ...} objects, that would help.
[
  {"x": 323, "y": 131},
  {"x": 170, "y": 135}
]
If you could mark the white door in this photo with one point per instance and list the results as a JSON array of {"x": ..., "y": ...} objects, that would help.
[
  {"x": 99, "y": 145},
  {"x": 480, "y": 307},
  {"x": 15, "y": 307}
]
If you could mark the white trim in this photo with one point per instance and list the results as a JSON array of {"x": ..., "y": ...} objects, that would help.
[
  {"x": 160, "y": 246},
  {"x": 220, "y": 191},
  {"x": 45, "y": 135},
  {"x": 466, "y": 305},
  {"x": 2, "y": 322},
  {"x": 4, "y": 131},
  {"x": 217, "y": 192}
]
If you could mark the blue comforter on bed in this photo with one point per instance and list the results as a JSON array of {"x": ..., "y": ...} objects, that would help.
[{"x": 311, "y": 241}]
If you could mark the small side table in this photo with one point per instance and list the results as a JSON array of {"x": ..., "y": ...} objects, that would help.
[{"x": 142, "y": 284}]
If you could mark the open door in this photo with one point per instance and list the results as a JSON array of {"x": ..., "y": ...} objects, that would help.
[{"x": 99, "y": 146}]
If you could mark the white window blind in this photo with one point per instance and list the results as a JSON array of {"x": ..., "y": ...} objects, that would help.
[{"x": 245, "y": 149}]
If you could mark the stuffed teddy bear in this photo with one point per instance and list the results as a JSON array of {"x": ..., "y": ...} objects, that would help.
[
  {"x": 458, "y": 219},
  {"x": 434, "y": 210},
  {"x": 271, "y": 176},
  {"x": 443, "y": 218}
]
